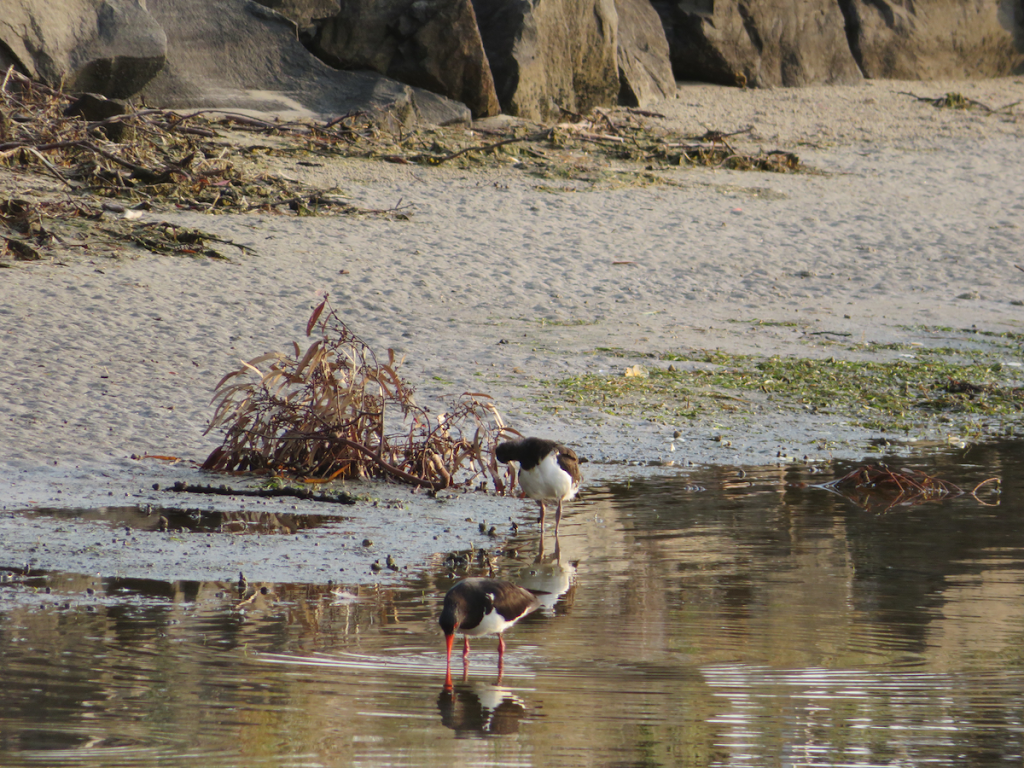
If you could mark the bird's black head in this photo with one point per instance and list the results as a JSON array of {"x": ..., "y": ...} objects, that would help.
[
  {"x": 451, "y": 617},
  {"x": 528, "y": 451},
  {"x": 506, "y": 452}
]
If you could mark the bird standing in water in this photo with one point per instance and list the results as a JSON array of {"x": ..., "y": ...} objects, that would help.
[
  {"x": 478, "y": 606},
  {"x": 548, "y": 471}
]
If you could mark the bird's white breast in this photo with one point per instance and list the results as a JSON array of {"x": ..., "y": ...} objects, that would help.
[
  {"x": 547, "y": 480},
  {"x": 493, "y": 623}
]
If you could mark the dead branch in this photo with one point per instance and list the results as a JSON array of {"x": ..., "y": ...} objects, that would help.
[
  {"x": 713, "y": 136},
  {"x": 953, "y": 101},
  {"x": 539, "y": 136},
  {"x": 336, "y": 410}
]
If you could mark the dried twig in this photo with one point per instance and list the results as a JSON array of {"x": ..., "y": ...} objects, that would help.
[
  {"x": 539, "y": 136},
  {"x": 953, "y": 100}
]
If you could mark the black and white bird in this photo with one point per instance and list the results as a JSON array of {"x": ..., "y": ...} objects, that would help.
[
  {"x": 548, "y": 471},
  {"x": 478, "y": 606}
]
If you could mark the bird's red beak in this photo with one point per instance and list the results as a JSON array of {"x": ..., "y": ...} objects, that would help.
[{"x": 449, "y": 640}]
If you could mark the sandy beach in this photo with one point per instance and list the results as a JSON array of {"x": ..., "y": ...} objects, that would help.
[{"x": 911, "y": 223}]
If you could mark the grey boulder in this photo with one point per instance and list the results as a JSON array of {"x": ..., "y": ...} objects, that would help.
[
  {"x": 239, "y": 55},
  {"x": 550, "y": 57},
  {"x": 304, "y": 12},
  {"x": 645, "y": 67},
  {"x": 758, "y": 43},
  {"x": 937, "y": 39},
  {"x": 431, "y": 44},
  {"x": 107, "y": 47}
]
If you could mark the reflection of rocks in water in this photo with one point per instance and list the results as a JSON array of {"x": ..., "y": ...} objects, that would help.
[{"x": 480, "y": 709}]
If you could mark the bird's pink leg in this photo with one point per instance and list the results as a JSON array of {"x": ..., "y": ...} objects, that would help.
[
  {"x": 501, "y": 649},
  {"x": 465, "y": 648},
  {"x": 543, "y": 509},
  {"x": 558, "y": 516}
]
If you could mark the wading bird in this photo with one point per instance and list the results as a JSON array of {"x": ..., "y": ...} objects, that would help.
[
  {"x": 548, "y": 471},
  {"x": 478, "y": 606}
]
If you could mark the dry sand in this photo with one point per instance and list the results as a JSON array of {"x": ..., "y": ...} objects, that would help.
[{"x": 498, "y": 284}]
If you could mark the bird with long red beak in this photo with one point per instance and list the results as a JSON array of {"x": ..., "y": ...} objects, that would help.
[{"x": 478, "y": 606}]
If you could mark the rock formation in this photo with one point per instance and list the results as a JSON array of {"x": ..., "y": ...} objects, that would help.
[
  {"x": 541, "y": 57},
  {"x": 758, "y": 43},
  {"x": 304, "y": 12},
  {"x": 551, "y": 55},
  {"x": 236, "y": 54},
  {"x": 109, "y": 47},
  {"x": 645, "y": 67},
  {"x": 936, "y": 39},
  {"x": 431, "y": 44},
  {"x": 441, "y": 61}
]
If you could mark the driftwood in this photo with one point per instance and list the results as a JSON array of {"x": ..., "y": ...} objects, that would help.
[
  {"x": 539, "y": 136},
  {"x": 953, "y": 100},
  {"x": 159, "y": 158}
]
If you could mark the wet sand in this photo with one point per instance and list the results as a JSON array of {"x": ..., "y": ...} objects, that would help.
[{"x": 499, "y": 284}]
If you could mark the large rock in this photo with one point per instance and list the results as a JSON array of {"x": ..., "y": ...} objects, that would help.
[
  {"x": 109, "y": 47},
  {"x": 431, "y": 44},
  {"x": 645, "y": 68},
  {"x": 935, "y": 39},
  {"x": 758, "y": 42},
  {"x": 236, "y": 54},
  {"x": 550, "y": 55}
]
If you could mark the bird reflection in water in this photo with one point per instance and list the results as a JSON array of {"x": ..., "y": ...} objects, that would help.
[
  {"x": 548, "y": 576},
  {"x": 479, "y": 710}
]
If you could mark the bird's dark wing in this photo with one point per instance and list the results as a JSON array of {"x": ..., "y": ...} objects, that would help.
[
  {"x": 570, "y": 463},
  {"x": 510, "y": 600}
]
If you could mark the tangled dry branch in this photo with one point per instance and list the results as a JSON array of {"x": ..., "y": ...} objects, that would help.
[
  {"x": 147, "y": 157},
  {"x": 954, "y": 100},
  {"x": 336, "y": 410}
]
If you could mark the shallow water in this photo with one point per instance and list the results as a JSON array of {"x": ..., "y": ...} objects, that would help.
[{"x": 703, "y": 619}]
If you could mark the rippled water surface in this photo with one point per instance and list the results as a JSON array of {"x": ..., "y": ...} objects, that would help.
[{"x": 701, "y": 619}]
